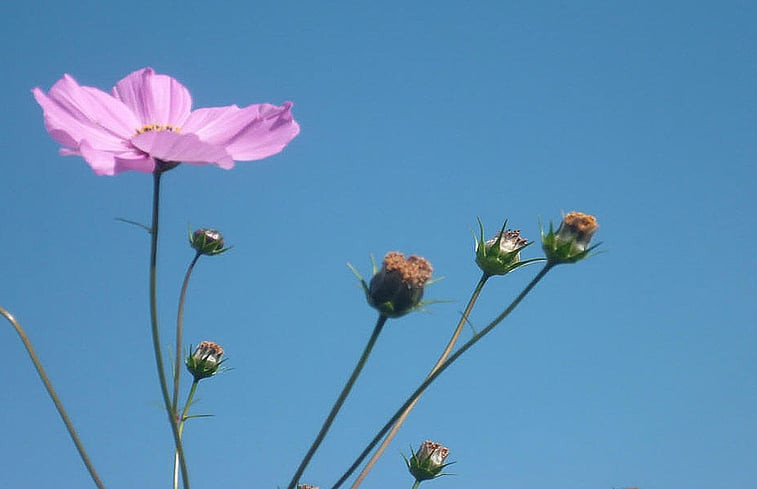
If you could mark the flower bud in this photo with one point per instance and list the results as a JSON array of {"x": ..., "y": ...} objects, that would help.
[
  {"x": 207, "y": 242},
  {"x": 205, "y": 361},
  {"x": 428, "y": 462},
  {"x": 398, "y": 287},
  {"x": 501, "y": 254},
  {"x": 571, "y": 241}
]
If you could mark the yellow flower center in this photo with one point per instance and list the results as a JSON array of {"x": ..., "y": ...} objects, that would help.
[{"x": 157, "y": 128}]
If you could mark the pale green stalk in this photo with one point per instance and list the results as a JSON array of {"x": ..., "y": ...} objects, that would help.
[
  {"x": 181, "y": 430},
  {"x": 340, "y": 400},
  {"x": 179, "y": 330},
  {"x": 172, "y": 414},
  {"x": 54, "y": 396}
]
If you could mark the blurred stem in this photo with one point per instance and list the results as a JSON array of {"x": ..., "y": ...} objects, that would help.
[
  {"x": 172, "y": 414},
  {"x": 452, "y": 342},
  {"x": 54, "y": 396},
  {"x": 441, "y": 369},
  {"x": 416, "y": 484},
  {"x": 179, "y": 328},
  {"x": 340, "y": 400},
  {"x": 181, "y": 430}
]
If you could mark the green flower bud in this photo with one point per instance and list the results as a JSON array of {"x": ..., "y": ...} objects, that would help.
[
  {"x": 428, "y": 462},
  {"x": 571, "y": 241},
  {"x": 501, "y": 254},
  {"x": 207, "y": 242},
  {"x": 398, "y": 287},
  {"x": 205, "y": 361}
]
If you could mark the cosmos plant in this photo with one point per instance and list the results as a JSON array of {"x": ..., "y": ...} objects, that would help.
[{"x": 147, "y": 124}]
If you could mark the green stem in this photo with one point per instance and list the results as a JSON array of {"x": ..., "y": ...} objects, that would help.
[
  {"x": 441, "y": 369},
  {"x": 452, "y": 342},
  {"x": 340, "y": 400},
  {"x": 54, "y": 396},
  {"x": 154, "y": 325},
  {"x": 416, "y": 484},
  {"x": 179, "y": 329},
  {"x": 181, "y": 430}
]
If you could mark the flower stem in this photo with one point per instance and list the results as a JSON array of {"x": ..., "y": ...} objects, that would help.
[
  {"x": 416, "y": 484},
  {"x": 179, "y": 328},
  {"x": 340, "y": 400},
  {"x": 397, "y": 424},
  {"x": 441, "y": 369},
  {"x": 54, "y": 396},
  {"x": 181, "y": 430},
  {"x": 154, "y": 325}
]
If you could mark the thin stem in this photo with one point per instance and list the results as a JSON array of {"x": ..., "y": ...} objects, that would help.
[
  {"x": 181, "y": 430},
  {"x": 179, "y": 328},
  {"x": 416, "y": 484},
  {"x": 54, "y": 396},
  {"x": 452, "y": 341},
  {"x": 340, "y": 400},
  {"x": 154, "y": 326},
  {"x": 441, "y": 369}
]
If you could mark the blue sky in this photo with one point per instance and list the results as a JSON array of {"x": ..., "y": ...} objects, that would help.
[{"x": 634, "y": 368}]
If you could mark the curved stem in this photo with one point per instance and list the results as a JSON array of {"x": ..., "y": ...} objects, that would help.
[
  {"x": 154, "y": 326},
  {"x": 179, "y": 328},
  {"x": 54, "y": 396},
  {"x": 181, "y": 430},
  {"x": 452, "y": 341},
  {"x": 441, "y": 369},
  {"x": 340, "y": 400}
]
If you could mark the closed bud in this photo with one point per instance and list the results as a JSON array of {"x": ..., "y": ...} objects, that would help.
[
  {"x": 207, "y": 242},
  {"x": 205, "y": 361},
  {"x": 571, "y": 241},
  {"x": 397, "y": 288}
]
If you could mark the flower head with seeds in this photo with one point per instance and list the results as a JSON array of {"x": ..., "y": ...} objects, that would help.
[
  {"x": 205, "y": 361},
  {"x": 570, "y": 242},
  {"x": 397, "y": 288},
  {"x": 501, "y": 254},
  {"x": 147, "y": 122},
  {"x": 428, "y": 462}
]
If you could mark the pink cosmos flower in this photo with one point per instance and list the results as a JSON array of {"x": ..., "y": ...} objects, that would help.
[{"x": 149, "y": 117}]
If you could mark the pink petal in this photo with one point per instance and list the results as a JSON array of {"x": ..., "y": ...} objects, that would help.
[
  {"x": 156, "y": 99},
  {"x": 112, "y": 163},
  {"x": 136, "y": 161},
  {"x": 250, "y": 133},
  {"x": 74, "y": 113},
  {"x": 187, "y": 148},
  {"x": 216, "y": 124}
]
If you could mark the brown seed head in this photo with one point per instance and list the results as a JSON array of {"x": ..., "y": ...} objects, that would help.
[
  {"x": 210, "y": 348},
  {"x": 584, "y": 224},
  {"x": 415, "y": 270}
]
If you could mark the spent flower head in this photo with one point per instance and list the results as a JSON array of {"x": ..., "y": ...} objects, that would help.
[
  {"x": 428, "y": 462},
  {"x": 147, "y": 123},
  {"x": 501, "y": 254},
  {"x": 207, "y": 242},
  {"x": 570, "y": 243},
  {"x": 205, "y": 361},
  {"x": 397, "y": 288}
]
